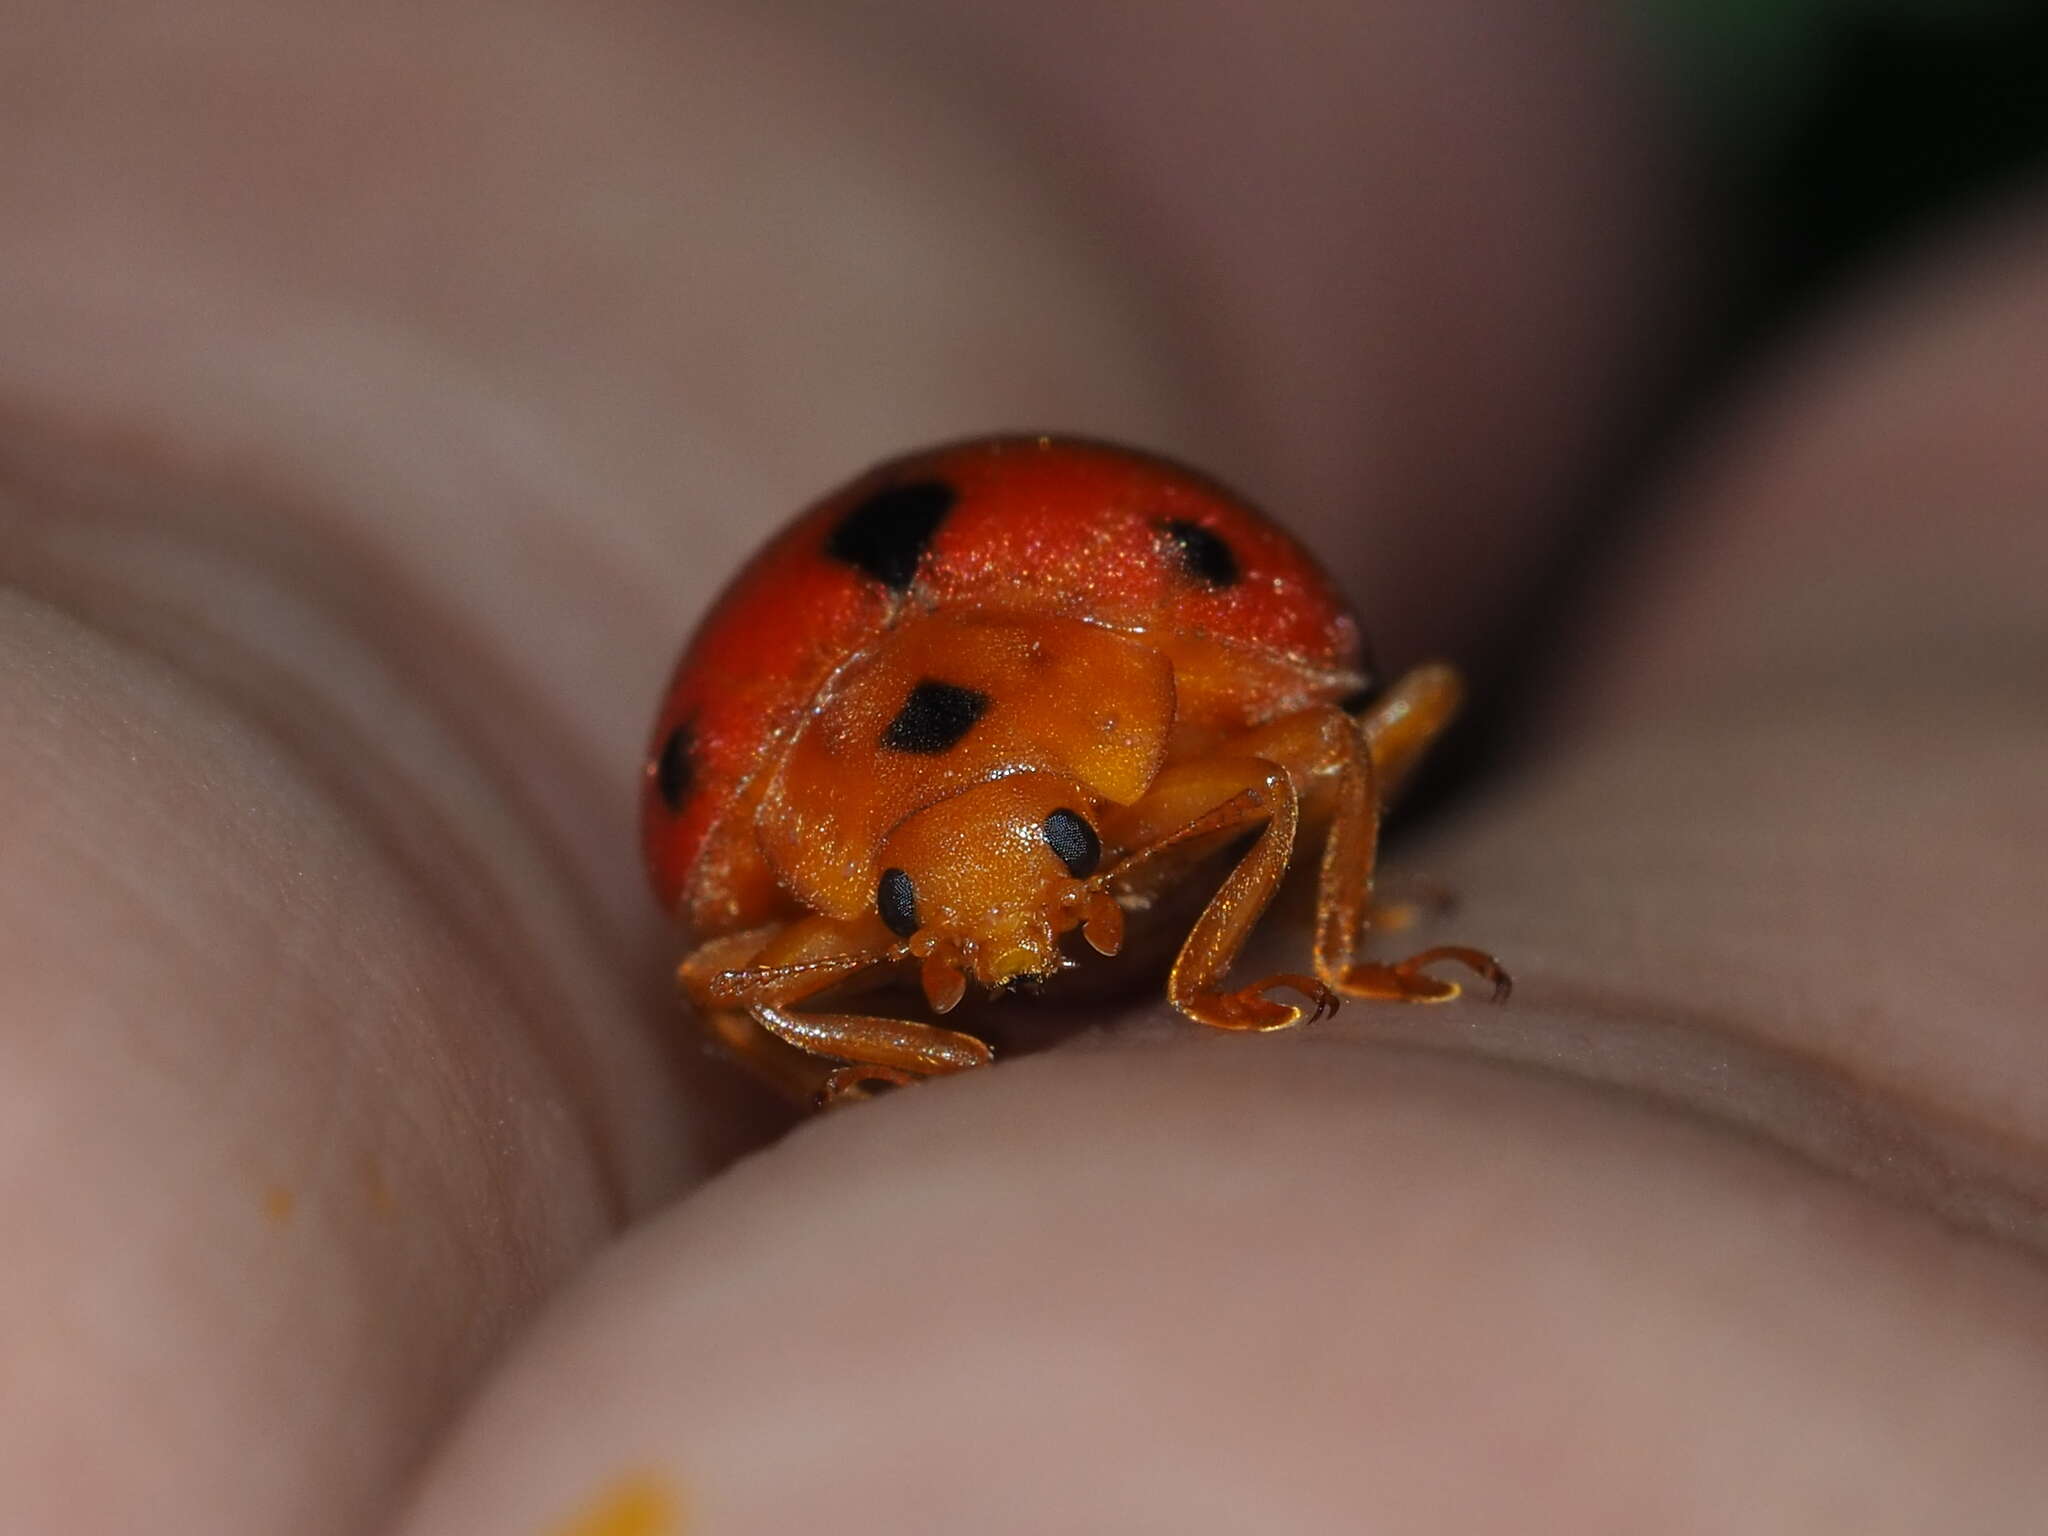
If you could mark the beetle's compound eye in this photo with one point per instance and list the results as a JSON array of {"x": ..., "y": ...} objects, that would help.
[
  {"x": 896, "y": 900},
  {"x": 1074, "y": 841}
]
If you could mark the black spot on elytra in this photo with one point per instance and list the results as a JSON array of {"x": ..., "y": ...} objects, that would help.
[
  {"x": 896, "y": 900},
  {"x": 934, "y": 718},
  {"x": 1074, "y": 842},
  {"x": 1358, "y": 701},
  {"x": 887, "y": 534},
  {"x": 673, "y": 770},
  {"x": 1203, "y": 554}
]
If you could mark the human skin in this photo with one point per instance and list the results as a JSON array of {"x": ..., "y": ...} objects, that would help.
[{"x": 383, "y": 391}]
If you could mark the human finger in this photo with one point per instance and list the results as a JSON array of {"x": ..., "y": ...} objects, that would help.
[
  {"x": 1741, "y": 1181},
  {"x": 350, "y": 403}
]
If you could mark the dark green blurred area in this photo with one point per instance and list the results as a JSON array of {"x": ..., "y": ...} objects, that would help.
[
  {"x": 1839, "y": 134},
  {"x": 1843, "y": 127}
]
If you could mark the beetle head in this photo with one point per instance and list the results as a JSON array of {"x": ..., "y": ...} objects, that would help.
[{"x": 988, "y": 878}]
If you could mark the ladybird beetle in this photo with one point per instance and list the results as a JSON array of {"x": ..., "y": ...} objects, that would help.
[{"x": 1000, "y": 691}]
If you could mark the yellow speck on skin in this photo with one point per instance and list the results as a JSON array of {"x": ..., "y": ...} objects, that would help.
[
  {"x": 640, "y": 1505},
  {"x": 383, "y": 1200},
  {"x": 278, "y": 1203}
]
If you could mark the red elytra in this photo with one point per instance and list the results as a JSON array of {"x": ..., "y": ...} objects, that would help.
[{"x": 984, "y": 658}]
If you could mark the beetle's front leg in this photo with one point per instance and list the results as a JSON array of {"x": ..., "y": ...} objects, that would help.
[
  {"x": 1348, "y": 769},
  {"x": 1189, "y": 809},
  {"x": 803, "y": 959},
  {"x": 1325, "y": 762},
  {"x": 793, "y": 1074}
]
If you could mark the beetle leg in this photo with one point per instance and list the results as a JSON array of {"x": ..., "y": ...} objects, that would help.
[
  {"x": 791, "y": 1073},
  {"x": 1195, "y": 805},
  {"x": 851, "y": 1083},
  {"x": 1388, "y": 741},
  {"x": 805, "y": 958},
  {"x": 885, "y": 1050},
  {"x": 1404, "y": 722},
  {"x": 1425, "y": 898},
  {"x": 1350, "y": 768},
  {"x": 1322, "y": 761}
]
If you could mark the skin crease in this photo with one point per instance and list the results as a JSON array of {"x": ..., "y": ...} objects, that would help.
[{"x": 381, "y": 394}]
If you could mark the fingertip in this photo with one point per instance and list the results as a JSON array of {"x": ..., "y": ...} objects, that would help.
[{"x": 1153, "y": 1290}]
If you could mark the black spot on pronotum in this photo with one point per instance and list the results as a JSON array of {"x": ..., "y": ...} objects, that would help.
[
  {"x": 887, "y": 534},
  {"x": 673, "y": 770},
  {"x": 1358, "y": 701},
  {"x": 1074, "y": 841},
  {"x": 896, "y": 900},
  {"x": 1203, "y": 554},
  {"x": 934, "y": 718}
]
